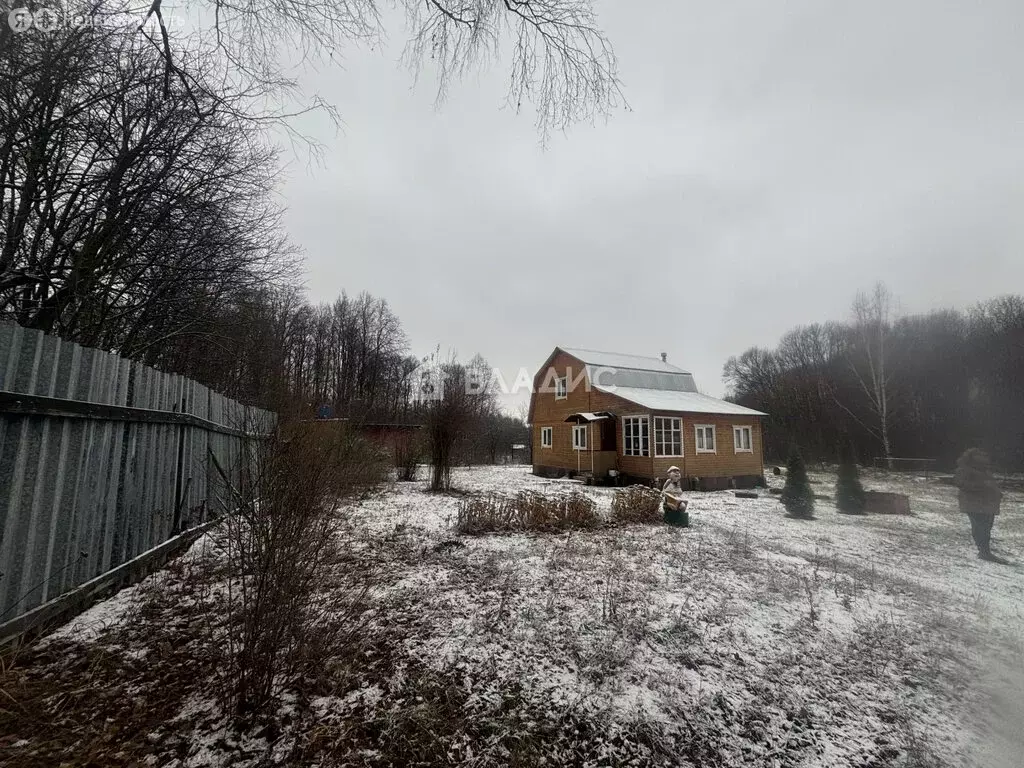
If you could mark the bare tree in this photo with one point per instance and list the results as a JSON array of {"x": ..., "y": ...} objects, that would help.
[
  {"x": 958, "y": 385},
  {"x": 129, "y": 213},
  {"x": 457, "y": 404},
  {"x": 348, "y": 355},
  {"x": 560, "y": 62},
  {"x": 873, "y": 315}
]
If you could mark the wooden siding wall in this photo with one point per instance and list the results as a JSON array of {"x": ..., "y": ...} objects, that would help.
[
  {"x": 725, "y": 462},
  {"x": 639, "y": 466},
  {"x": 549, "y": 412}
]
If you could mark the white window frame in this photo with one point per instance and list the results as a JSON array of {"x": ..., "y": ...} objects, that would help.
[
  {"x": 697, "y": 429},
  {"x": 549, "y": 432},
  {"x": 579, "y": 437},
  {"x": 646, "y": 422},
  {"x": 562, "y": 385},
  {"x": 675, "y": 427},
  {"x": 738, "y": 444}
]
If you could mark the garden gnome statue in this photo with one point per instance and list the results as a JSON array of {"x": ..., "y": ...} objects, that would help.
[
  {"x": 979, "y": 496},
  {"x": 673, "y": 503}
]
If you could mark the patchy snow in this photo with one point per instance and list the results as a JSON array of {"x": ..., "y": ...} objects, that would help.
[
  {"x": 749, "y": 638},
  {"x": 846, "y": 580},
  {"x": 104, "y": 616}
]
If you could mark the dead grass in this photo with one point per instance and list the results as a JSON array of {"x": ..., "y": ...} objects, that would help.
[
  {"x": 94, "y": 704},
  {"x": 636, "y": 504},
  {"x": 632, "y": 645},
  {"x": 527, "y": 511}
]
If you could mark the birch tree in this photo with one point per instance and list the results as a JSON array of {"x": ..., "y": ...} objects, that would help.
[
  {"x": 870, "y": 362},
  {"x": 957, "y": 383}
]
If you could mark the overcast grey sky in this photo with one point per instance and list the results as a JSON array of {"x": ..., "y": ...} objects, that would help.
[{"x": 778, "y": 156}]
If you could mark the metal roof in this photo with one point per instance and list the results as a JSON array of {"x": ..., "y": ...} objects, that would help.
[
  {"x": 619, "y": 360},
  {"x": 631, "y": 377},
  {"x": 690, "y": 402}
]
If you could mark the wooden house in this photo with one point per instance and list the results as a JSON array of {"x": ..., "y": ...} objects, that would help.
[{"x": 626, "y": 417}]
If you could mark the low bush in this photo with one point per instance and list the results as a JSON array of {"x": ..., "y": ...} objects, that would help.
[
  {"x": 279, "y": 543},
  {"x": 636, "y": 504},
  {"x": 484, "y": 514},
  {"x": 351, "y": 463},
  {"x": 526, "y": 511},
  {"x": 361, "y": 465}
]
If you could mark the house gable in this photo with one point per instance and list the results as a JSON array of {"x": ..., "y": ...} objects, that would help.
[
  {"x": 545, "y": 404},
  {"x": 559, "y": 364}
]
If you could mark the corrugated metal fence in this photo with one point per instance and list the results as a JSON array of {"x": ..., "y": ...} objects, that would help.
[{"x": 101, "y": 460}]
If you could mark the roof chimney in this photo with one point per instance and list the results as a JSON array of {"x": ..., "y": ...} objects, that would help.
[{"x": 664, "y": 357}]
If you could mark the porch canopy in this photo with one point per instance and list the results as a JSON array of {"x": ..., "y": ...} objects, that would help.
[{"x": 586, "y": 417}]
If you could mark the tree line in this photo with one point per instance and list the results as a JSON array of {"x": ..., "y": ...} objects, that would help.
[
  {"x": 137, "y": 164},
  {"x": 137, "y": 212},
  {"x": 137, "y": 216},
  {"x": 131, "y": 206},
  {"x": 889, "y": 385}
]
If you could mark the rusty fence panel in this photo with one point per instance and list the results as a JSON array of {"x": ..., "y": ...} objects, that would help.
[{"x": 102, "y": 459}]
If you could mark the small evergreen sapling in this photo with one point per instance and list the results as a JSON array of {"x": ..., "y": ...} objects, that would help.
[
  {"x": 850, "y": 497},
  {"x": 797, "y": 496}
]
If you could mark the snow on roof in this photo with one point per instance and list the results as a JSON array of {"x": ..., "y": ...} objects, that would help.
[
  {"x": 690, "y": 402},
  {"x": 618, "y": 360},
  {"x": 586, "y": 416}
]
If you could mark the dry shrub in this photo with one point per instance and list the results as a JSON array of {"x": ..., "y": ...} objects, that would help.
[
  {"x": 527, "y": 511},
  {"x": 636, "y": 504},
  {"x": 362, "y": 466},
  {"x": 574, "y": 510},
  {"x": 279, "y": 546},
  {"x": 484, "y": 514},
  {"x": 353, "y": 463}
]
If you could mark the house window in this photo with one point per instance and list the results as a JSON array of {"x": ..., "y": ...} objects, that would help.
[
  {"x": 705, "y": 438},
  {"x": 545, "y": 437},
  {"x": 579, "y": 437},
  {"x": 635, "y": 436},
  {"x": 561, "y": 388},
  {"x": 741, "y": 439},
  {"x": 668, "y": 436}
]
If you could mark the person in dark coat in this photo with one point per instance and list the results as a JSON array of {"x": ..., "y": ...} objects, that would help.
[
  {"x": 672, "y": 502},
  {"x": 979, "y": 497}
]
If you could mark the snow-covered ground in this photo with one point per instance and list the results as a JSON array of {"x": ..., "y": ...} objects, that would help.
[
  {"x": 746, "y": 580},
  {"x": 748, "y": 639}
]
